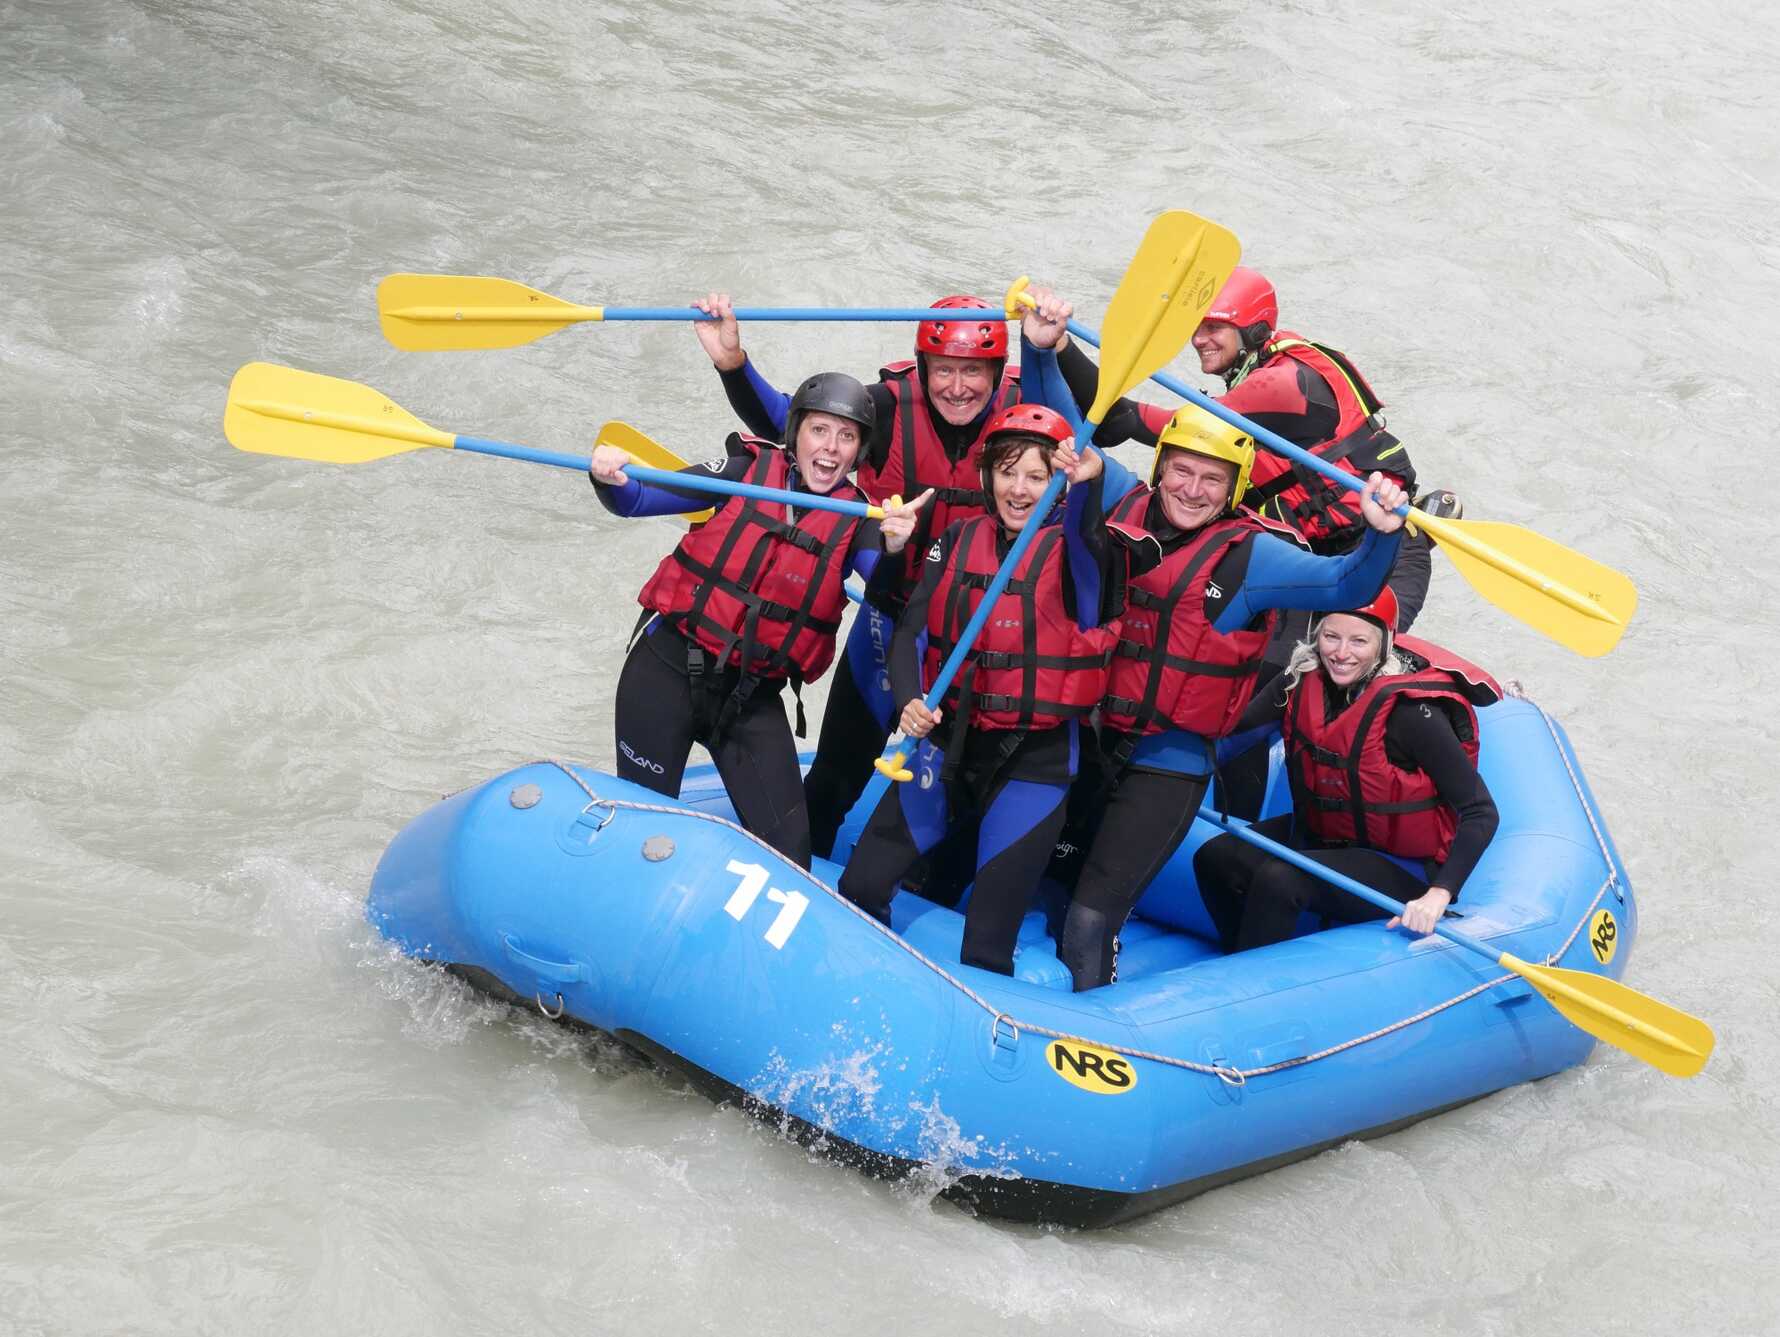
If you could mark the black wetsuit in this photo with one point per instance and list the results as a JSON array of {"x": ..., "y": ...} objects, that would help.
[
  {"x": 1255, "y": 899},
  {"x": 659, "y": 712},
  {"x": 859, "y": 716}
]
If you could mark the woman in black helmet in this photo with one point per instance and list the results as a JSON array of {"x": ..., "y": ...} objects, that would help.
[{"x": 749, "y": 600}]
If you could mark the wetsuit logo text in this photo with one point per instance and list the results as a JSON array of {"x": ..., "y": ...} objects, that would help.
[{"x": 638, "y": 759}]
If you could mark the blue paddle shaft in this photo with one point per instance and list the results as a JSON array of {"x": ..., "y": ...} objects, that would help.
[
  {"x": 1003, "y": 574},
  {"x": 1272, "y": 440},
  {"x": 860, "y": 313},
  {"x": 808, "y": 501},
  {"x": 1242, "y": 831},
  {"x": 507, "y": 451},
  {"x": 880, "y": 781}
]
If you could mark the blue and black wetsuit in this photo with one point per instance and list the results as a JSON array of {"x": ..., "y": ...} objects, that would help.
[
  {"x": 1130, "y": 812},
  {"x": 1149, "y": 788},
  {"x": 658, "y": 715},
  {"x": 1016, "y": 781}
]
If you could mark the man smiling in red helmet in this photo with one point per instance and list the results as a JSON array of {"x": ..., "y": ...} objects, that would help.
[{"x": 1313, "y": 396}]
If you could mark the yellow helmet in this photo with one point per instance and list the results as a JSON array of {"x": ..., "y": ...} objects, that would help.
[{"x": 1192, "y": 428}]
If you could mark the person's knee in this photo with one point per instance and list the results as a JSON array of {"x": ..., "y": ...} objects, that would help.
[{"x": 1278, "y": 882}]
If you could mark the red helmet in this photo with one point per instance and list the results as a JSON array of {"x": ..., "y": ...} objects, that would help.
[
  {"x": 983, "y": 338},
  {"x": 1246, "y": 299},
  {"x": 1025, "y": 419},
  {"x": 1033, "y": 418},
  {"x": 1383, "y": 611}
]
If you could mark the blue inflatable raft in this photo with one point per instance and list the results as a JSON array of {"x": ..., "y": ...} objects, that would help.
[{"x": 671, "y": 928}]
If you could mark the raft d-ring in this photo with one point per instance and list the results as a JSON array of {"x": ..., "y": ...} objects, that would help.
[
  {"x": 1013, "y": 1033},
  {"x": 561, "y": 1006},
  {"x": 1232, "y": 1077},
  {"x": 606, "y": 803}
]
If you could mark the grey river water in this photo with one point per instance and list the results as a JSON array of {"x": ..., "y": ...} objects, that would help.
[{"x": 1546, "y": 231}]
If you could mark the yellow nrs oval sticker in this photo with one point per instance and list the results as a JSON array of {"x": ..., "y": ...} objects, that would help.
[
  {"x": 1095, "y": 1070},
  {"x": 1603, "y": 935}
]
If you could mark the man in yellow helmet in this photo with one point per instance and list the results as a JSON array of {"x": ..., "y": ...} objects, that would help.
[{"x": 1196, "y": 626}]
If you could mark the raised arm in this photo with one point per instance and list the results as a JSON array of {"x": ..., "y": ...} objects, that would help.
[
  {"x": 760, "y": 406},
  {"x": 1280, "y": 575}
]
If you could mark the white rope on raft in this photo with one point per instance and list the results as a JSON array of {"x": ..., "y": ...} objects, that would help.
[{"x": 1231, "y": 1076}]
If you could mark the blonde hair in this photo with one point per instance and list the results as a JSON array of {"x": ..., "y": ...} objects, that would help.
[{"x": 1305, "y": 658}]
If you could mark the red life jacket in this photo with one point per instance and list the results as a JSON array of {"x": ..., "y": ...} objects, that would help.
[
  {"x": 1346, "y": 788},
  {"x": 754, "y": 589},
  {"x": 1170, "y": 670},
  {"x": 1298, "y": 495},
  {"x": 916, "y": 461},
  {"x": 1031, "y": 667}
]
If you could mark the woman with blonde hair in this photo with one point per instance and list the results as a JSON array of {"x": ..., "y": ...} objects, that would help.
[{"x": 1381, "y": 748}]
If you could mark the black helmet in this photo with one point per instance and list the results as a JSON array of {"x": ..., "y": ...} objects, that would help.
[{"x": 830, "y": 392}]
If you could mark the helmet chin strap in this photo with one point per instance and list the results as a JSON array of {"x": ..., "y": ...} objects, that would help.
[{"x": 1240, "y": 369}]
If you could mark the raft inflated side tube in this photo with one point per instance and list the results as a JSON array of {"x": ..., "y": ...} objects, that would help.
[{"x": 674, "y": 930}]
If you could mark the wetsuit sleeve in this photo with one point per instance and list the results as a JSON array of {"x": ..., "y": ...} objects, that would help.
[
  {"x": 1283, "y": 576},
  {"x": 1042, "y": 382},
  {"x": 1080, "y": 374},
  {"x": 1126, "y": 420},
  {"x": 905, "y": 658},
  {"x": 1088, "y": 553},
  {"x": 1422, "y": 732},
  {"x": 761, "y": 408},
  {"x": 1258, "y": 723},
  {"x": 867, "y": 548},
  {"x": 1117, "y": 480},
  {"x": 1409, "y": 578},
  {"x": 637, "y": 499}
]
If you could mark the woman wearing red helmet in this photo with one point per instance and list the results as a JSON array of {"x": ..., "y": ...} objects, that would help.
[
  {"x": 1006, "y": 740},
  {"x": 932, "y": 414},
  {"x": 1381, "y": 747}
]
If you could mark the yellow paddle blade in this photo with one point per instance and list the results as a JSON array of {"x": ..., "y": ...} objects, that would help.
[
  {"x": 647, "y": 450},
  {"x": 432, "y": 312},
  {"x": 1575, "y": 600},
  {"x": 1181, "y": 263},
  {"x": 276, "y": 410},
  {"x": 1664, "y": 1037}
]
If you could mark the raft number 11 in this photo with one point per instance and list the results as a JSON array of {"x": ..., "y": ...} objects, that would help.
[{"x": 792, "y": 903}]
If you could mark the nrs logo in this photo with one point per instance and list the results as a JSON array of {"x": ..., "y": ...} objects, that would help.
[
  {"x": 1603, "y": 936},
  {"x": 1091, "y": 1069}
]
